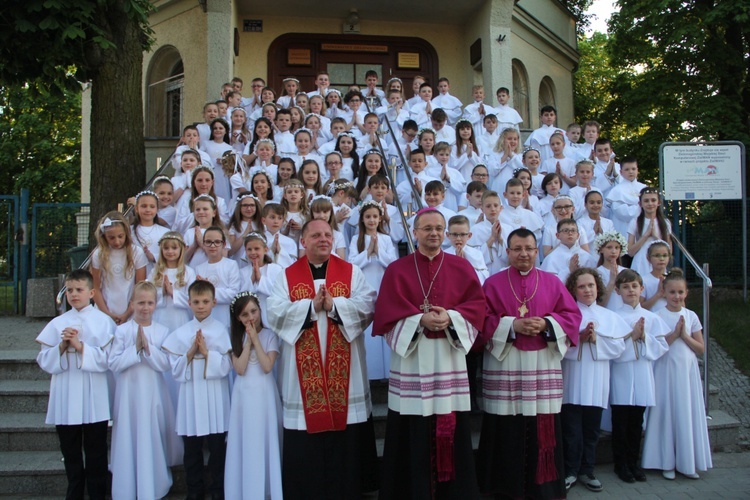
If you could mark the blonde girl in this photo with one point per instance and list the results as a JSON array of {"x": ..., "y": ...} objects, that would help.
[
  {"x": 321, "y": 208},
  {"x": 318, "y": 107},
  {"x": 507, "y": 158},
  {"x": 296, "y": 209},
  {"x": 372, "y": 250},
  {"x": 246, "y": 219},
  {"x": 147, "y": 227},
  {"x": 253, "y": 458},
  {"x": 650, "y": 225},
  {"x": 676, "y": 430},
  {"x": 610, "y": 246},
  {"x": 659, "y": 256},
  {"x": 172, "y": 277},
  {"x": 117, "y": 265},
  {"x": 205, "y": 216}
]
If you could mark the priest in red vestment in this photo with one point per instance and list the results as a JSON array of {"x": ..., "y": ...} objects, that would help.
[
  {"x": 319, "y": 307},
  {"x": 430, "y": 310},
  {"x": 531, "y": 320}
]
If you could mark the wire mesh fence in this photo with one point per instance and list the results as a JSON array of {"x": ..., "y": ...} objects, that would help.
[
  {"x": 712, "y": 232},
  {"x": 56, "y": 242}
]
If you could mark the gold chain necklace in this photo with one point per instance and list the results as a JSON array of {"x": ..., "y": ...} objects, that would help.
[
  {"x": 426, "y": 306},
  {"x": 523, "y": 310}
]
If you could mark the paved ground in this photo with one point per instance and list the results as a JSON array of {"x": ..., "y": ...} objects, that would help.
[{"x": 730, "y": 477}]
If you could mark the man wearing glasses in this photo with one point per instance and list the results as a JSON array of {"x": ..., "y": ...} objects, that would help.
[
  {"x": 430, "y": 313},
  {"x": 531, "y": 320}
]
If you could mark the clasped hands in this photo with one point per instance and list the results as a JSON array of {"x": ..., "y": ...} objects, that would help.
[
  {"x": 436, "y": 319},
  {"x": 529, "y": 326},
  {"x": 323, "y": 300}
]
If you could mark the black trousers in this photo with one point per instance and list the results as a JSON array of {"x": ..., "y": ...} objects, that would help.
[
  {"x": 627, "y": 429},
  {"x": 330, "y": 465},
  {"x": 580, "y": 426},
  {"x": 193, "y": 460},
  {"x": 91, "y": 439}
]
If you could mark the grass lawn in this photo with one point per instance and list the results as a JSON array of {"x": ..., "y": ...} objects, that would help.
[{"x": 730, "y": 323}]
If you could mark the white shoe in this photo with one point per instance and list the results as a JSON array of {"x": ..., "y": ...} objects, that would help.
[
  {"x": 570, "y": 481},
  {"x": 668, "y": 474},
  {"x": 691, "y": 476}
]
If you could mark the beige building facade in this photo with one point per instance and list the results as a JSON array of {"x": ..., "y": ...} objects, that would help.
[{"x": 528, "y": 46}]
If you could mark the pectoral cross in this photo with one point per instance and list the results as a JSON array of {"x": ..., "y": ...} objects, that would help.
[
  {"x": 523, "y": 309},
  {"x": 426, "y": 306}
]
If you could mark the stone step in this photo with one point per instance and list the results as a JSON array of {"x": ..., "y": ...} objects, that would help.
[
  {"x": 27, "y": 432},
  {"x": 20, "y": 365},
  {"x": 27, "y": 473},
  {"x": 723, "y": 430},
  {"x": 24, "y": 396}
]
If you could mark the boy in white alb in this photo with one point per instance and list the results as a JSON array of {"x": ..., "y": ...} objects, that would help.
[
  {"x": 568, "y": 256},
  {"x": 478, "y": 110},
  {"x": 459, "y": 233},
  {"x": 623, "y": 198},
  {"x": 489, "y": 235},
  {"x": 451, "y": 105},
  {"x": 515, "y": 216},
  {"x": 417, "y": 163},
  {"x": 421, "y": 110},
  {"x": 284, "y": 139},
  {"x": 74, "y": 349},
  {"x": 471, "y": 208},
  {"x": 606, "y": 169},
  {"x": 632, "y": 387},
  {"x": 539, "y": 138},
  {"x": 199, "y": 356},
  {"x": 507, "y": 117},
  {"x": 281, "y": 248}
]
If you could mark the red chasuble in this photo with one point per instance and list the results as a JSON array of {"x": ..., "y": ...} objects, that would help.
[{"x": 324, "y": 386}]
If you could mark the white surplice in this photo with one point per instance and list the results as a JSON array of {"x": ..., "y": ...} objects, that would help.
[
  {"x": 203, "y": 406},
  {"x": 286, "y": 319},
  {"x": 78, "y": 392}
]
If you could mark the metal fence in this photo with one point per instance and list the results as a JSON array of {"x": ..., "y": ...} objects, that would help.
[
  {"x": 9, "y": 255},
  {"x": 712, "y": 232},
  {"x": 55, "y": 239}
]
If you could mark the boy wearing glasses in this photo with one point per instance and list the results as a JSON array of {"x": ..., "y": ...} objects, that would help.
[
  {"x": 568, "y": 256},
  {"x": 459, "y": 233}
]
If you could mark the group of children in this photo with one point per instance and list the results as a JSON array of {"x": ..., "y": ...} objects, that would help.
[{"x": 180, "y": 289}]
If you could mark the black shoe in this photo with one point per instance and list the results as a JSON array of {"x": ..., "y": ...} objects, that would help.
[
  {"x": 638, "y": 473},
  {"x": 623, "y": 472}
]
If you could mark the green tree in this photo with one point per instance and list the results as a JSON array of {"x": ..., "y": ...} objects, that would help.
[
  {"x": 683, "y": 70},
  {"x": 59, "y": 43},
  {"x": 40, "y": 143}
]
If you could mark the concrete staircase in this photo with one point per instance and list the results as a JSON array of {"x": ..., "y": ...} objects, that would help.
[{"x": 31, "y": 464}]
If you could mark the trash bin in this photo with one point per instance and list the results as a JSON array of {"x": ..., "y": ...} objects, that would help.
[{"x": 77, "y": 256}]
